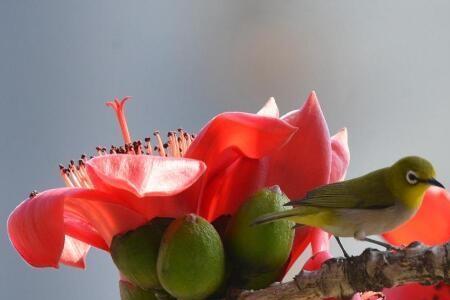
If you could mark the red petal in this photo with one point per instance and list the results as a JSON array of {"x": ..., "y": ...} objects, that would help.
[
  {"x": 144, "y": 175},
  {"x": 74, "y": 253},
  {"x": 301, "y": 241},
  {"x": 231, "y": 135},
  {"x": 270, "y": 109},
  {"x": 83, "y": 231},
  {"x": 304, "y": 162},
  {"x": 229, "y": 189},
  {"x": 320, "y": 240},
  {"x": 434, "y": 213},
  {"x": 317, "y": 260},
  {"x": 340, "y": 156},
  {"x": 161, "y": 206},
  {"x": 320, "y": 244},
  {"x": 415, "y": 291},
  {"x": 37, "y": 230}
]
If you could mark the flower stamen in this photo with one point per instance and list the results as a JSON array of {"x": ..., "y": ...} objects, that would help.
[
  {"x": 148, "y": 146},
  {"x": 160, "y": 143},
  {"x": 73, "y": 178},
  {"x": 65, "y": 177},
  {"x": 99, "y": 150}
]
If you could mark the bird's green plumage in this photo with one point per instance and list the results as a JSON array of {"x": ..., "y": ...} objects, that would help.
[
  {"x": 369, "y": 192},
  {"x": 371, "y": 204}
]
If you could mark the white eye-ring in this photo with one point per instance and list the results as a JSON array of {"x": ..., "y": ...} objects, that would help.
[{"x": 411, "y": 177}]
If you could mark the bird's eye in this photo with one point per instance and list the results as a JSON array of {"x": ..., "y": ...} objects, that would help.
[{"x": 411, "y": 177}]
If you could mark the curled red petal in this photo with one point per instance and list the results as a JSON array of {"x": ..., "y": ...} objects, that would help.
[
  {"x": 144, "y": 175},
  {"x": 234, "y": 134},
  {"x": 225, "y": 193},
  {"x": 320, "y": 240},
  {"x": 301, "y": 240},
  {"x": 74, "y": 253},
  {"x": 270, "y": 109},
  {"x": 434, "y": 213},
  {"x": 415, "y": 291},
  {"x": 81, "y": 230},
  {"x": 320, "y": 245},
  {"x": 304, "y": 162},
  {"x": 317, "y": 260},
  {"x": 37, "y": 230},
  {"x": 340, "y": 156}
]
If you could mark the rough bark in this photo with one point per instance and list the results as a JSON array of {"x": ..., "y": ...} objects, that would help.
[{"x": 373, "y": 270}]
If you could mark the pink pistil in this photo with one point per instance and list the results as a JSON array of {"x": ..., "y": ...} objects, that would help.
[{"x": 118, "y": 106}]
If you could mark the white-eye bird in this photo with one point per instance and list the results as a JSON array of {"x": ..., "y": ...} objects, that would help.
[{"x": 371, "y": 204}]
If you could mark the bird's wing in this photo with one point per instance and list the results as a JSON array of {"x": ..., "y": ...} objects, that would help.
[{"x": 366, "y": 192}]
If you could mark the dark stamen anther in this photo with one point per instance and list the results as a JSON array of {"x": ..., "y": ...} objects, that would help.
[{"x": 33, "y": 194}]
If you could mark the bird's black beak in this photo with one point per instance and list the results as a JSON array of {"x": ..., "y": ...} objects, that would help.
[{"x": 434, "y": 182}]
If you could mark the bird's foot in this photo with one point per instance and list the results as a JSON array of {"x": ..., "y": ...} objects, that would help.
[
  {"x": 342, "y": 247},
  {"x": 382, "y": 244}
]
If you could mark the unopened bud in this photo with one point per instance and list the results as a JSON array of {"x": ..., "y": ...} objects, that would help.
[{"x": 135, "y": 253}]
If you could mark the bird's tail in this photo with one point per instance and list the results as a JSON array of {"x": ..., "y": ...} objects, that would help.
[{"x": 267, "y": 218}]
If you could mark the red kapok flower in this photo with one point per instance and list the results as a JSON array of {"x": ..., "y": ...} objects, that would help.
[
  {"x": 119, "y": 191},
  {"x": 115, "y": 192}
]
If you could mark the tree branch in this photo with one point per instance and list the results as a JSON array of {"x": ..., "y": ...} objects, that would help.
[{"x": 373, "y": 270}]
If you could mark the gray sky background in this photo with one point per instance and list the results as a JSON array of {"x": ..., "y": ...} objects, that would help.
[{"x": 380, "y": 68}]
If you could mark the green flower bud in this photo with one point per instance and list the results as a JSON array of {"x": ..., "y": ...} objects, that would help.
[
  {"x": 135, "y": 253},
  {"x": 262, "y": 248},
  {"x": 191, "y": 260}
]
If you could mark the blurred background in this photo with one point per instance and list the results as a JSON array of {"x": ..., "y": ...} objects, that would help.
[{"x": 380, "y": 68}]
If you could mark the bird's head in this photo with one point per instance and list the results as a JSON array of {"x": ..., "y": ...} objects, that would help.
[{"x": 410, "y": 177}]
